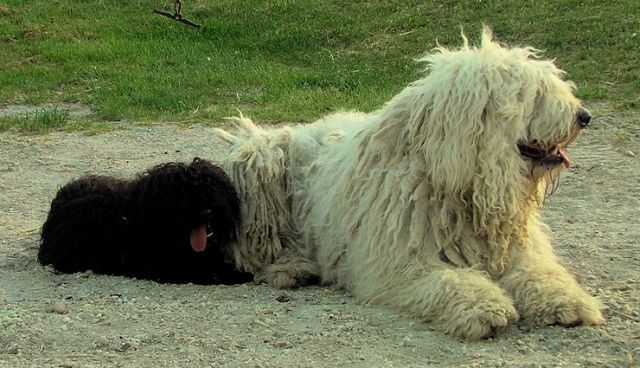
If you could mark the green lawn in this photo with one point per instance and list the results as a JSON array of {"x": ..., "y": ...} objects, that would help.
[{"x": 284, "y": 60}]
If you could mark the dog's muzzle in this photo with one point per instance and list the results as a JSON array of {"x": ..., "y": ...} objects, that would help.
[
  {"x": 548, "y": 157},
  {"x": 554, "y": 155}
]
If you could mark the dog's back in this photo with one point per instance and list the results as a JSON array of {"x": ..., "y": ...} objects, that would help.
[{"x": 83, "y": 224}]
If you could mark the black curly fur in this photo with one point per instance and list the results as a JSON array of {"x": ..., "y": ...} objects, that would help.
[{"x": 141, "y": 228}]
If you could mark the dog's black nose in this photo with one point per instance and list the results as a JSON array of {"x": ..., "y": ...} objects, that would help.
[{"x": 584, "y": 117}]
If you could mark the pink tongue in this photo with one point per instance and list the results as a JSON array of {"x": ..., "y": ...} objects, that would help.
[{"x": 198, "y": 238}]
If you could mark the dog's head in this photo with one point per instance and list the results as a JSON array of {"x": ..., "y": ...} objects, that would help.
[
  {"x": 195, "y": 205},
  {"x": 555, "y": 120},
  {"x": 492, "y": 125},
  {"x": 492, "y": 115}
]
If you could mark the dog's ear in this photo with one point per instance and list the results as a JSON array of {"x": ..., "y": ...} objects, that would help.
[
  {"x": 467, "y": 115},
  {"x": 466, "y": 118},
  {"x": 199, "y": 164}
]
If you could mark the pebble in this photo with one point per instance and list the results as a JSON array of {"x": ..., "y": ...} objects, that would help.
[
  {"x": 60, "y": 308},
  {"x": 283, "y": 344},
  {"x": 123, "y": 347},
  {"x": 407, "y": 342},
  {"x": 522, "y": 347},
  {"x": 102, "y": 342},
  {"x": 342, "y": 341},
  {"x": 629, "y": 359},
  {"x": 12, "y": 349},
  {"x": 261, "y": 323},
  {"x": 630, "y": 154}
]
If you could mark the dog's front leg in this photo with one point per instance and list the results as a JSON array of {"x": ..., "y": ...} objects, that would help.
[
  {"x": 461, "y": 302},
  {"x": 544, "y": 291}
]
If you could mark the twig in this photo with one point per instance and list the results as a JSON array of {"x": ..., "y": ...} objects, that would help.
[{"x": 177, "y": 17}]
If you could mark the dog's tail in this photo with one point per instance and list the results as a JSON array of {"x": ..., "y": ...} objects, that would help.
[
  {"x": 245, "y": 125},
  {"x": 226, "y": 136}
]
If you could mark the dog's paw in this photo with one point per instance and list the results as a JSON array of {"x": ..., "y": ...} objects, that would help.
[
  {"x": 483, "y": 321},
  {"x": 281, "y": 280},
  {"x": 548, "y": 295},
  {"x": 566, "y": 308},
  {"x": 282, "y": 276},
  {"x": 290, "y": 272}
]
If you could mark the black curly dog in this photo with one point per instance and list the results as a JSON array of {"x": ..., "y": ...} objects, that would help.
[{"x": 172, "y": 223}]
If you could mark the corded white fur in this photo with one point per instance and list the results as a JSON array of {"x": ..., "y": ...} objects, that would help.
[{"x": 425, "y": 205}]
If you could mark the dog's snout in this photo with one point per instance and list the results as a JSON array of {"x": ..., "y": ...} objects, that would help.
[{"x": 583, "y": 118}]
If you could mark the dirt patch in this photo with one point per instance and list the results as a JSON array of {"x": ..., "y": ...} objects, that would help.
[
  {"x": 86, "y": 320},
  {"x": 74, "y": 110}
]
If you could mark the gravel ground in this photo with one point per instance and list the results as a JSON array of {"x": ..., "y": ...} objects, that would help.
[{"x": 86, "y": 320}]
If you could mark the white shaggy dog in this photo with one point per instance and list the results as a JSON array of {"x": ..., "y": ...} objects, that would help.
[{"x": 428, "y": 205}]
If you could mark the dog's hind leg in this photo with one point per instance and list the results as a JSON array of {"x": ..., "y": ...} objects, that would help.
[
  {"x": 292, "y": 268},
  {"x": 268, "y": 236}
]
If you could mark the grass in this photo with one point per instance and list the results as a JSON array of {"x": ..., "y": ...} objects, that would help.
[
  {"x": 38, "y": 122},
  {"x": 47, "y": 120},
  {"x": 284, "y": 60}
]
